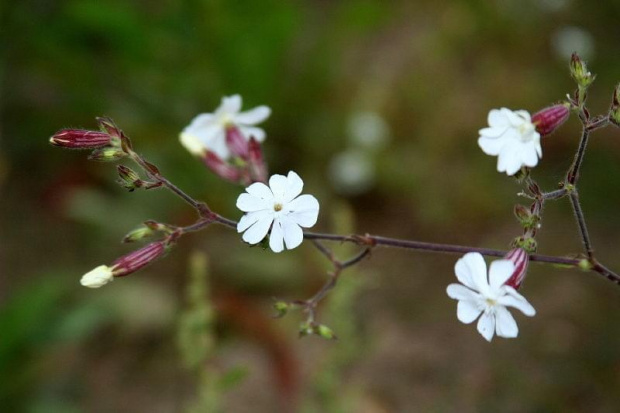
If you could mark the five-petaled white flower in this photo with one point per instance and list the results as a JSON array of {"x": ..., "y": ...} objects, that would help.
[
  {"x": 487, "y": 297},
  {"x": 512, "y": 137},
  {"x": 280, "y": 205},
  {"x": 97, "y": 277},
  {"x": 207, "y": 131}
]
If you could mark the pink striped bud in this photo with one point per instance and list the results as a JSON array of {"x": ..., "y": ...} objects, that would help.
[
  {"x": 221, "y": 168},
  {"x": 520, "y": 259},
  {"x": 138, "y": 259},
  {"x": 549, "y": 119},
  {"x": 236, "y": 142},
  {"x": 80, "y": 139},
  {"x": 258, "y": 168}
]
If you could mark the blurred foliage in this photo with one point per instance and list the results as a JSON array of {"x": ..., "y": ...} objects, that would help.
[{"x": 421, "y": 76}]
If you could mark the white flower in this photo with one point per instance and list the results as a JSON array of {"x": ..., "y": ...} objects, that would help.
[
  {"x": 280, "y": 205},
  {"x": 98, "y": 277},
  {"x": 512, "y": 137},
  {"x": 487, "y": 297},
  {"x": 207, "y": 131}
]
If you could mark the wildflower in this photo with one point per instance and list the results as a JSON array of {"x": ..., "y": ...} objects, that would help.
[
  {"x": 487, "y": 297},
  {"x": 512, "y": 137},
  {"x": 80, "y": 139},
  {"x": 208, "y": 131},
  {"x": 279, "y": 207}
]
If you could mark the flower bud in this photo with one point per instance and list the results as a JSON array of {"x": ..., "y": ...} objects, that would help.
[
  {"x": 138, "y": 259},
  {"x": 258, "y": 168},
  {"x": 520, "y": 259},
  {"x": 325, "y": 332},
  {"x": 138, "y": 234},
  {"x": 579, "y": 72},
  {"x": 236, "y": 142},
  {"x": 281, "y": 308},
  {"x": 97, "y": 277},
  {"x": 221, "y": 168},
  {"x": 614, "y": 112},
  {"x": 128, "y": 178},
  {"x": 108, "y": 154},
  {"x": 551, "y": 118},
  {"x": 80, "y": 139}
]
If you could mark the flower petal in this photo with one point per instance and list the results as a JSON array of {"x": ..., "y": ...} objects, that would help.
[
  {"x": 508, "y": 160},
  {"x": 276, "y": 238},
  {"x": 260, "y": 190},
  {"x": 293, "y": 235},
  {"x": 499, "y": 272},
  {"x": 471, "y": 266},
  {"x": 252, "y": 218},
  {"x": 486, "y": 326},
  {"x": 252, "y": 131},
  {"x": 513, "y": 299},
  {"x": 497, "y": 119},
  {"x": 505, "y": 324},
  {"x": 278, "y": 185},
  {"x": 529, "y": 155},
  {"x": 303, "y": 210},
  {"x": 250, "y": 203},
  {"x": 253, "y": 116},
  {"x": 230, "y": 104},
  {"x": 460, "y": 292},
  {"x": 257, "y": 232},
  {"x": 294, "y": 186},
  {"x": 467, "y": 311},
  {"x": 490, "y": 145}
]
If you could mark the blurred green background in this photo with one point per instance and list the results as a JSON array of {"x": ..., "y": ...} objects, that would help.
[{"x": 376, "y": 105}]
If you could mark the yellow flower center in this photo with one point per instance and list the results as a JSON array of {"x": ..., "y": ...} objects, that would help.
[{"x": 277, "y": 207}]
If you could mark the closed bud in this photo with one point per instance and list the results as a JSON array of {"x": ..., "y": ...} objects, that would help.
[
  {"x": 522, "y": 212},
  {"x": 579, "y": 72},
  {"x": 109, "y": 154},
  {"x": 139, "y": 234},
  {"x": 325, "y": 332},
  {"x": 138, "y": 259},
  {"x": 614, "y": 112},
  {"x": 281, "y": 308},
  {"x": 107, "y": 125},
  {"x": 256, "y": 161},
  {"x": 305, "y": 329},
  {"x": 520, "y": 258},
  {"x": 80, "y": 139},
  {"x": 551, "y": 118},
  {"x": 128, "y": 178},
  {"x": 221, "y": 168},
  {"x": 236, "y": 142}
]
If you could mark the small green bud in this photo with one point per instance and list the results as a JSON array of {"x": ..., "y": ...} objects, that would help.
[
  {"x": 281, "y": 308},
  {"x": 325, "y": 332},
  {"x": 585, "y": 265},
  {"x": 522, "y": 212},
  {"x": 138, "y": 234},
  {"x": 108, "y": 154},
  {"x": 128, "y": 178},
  {"x": 580, "y": 73},
  {"x": 305, "y": 329}
]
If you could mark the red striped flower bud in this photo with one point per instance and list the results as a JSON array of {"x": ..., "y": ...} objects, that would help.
[
  {"x": 236, "y": 142},
  {"x": 80, "y": 139},
  {"x": 138, "y": 259},
  {"x": 520, "y": 259},
  {"x": 221, "y": 168},
  {"x": 549, "y": 119},
  {"x": 258, "y": 168}
]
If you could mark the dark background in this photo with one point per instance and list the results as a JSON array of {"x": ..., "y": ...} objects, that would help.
[{"x": 377, "y": 106}]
